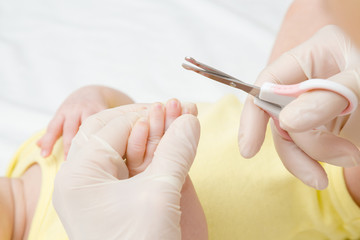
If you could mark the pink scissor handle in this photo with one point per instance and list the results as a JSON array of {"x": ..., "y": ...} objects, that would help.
[
  {"x": 273, "y": 111},
  {"x": 284, "y": 94}
]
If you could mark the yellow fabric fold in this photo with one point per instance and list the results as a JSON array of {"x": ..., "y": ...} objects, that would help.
[
  {"x": 256, "y": 199},
  {"x": 45, "y": 224},
  {"x": 252, "y": 199}
]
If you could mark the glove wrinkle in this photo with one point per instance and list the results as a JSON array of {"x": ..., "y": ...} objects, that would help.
[{"x": 94, "y": 197}]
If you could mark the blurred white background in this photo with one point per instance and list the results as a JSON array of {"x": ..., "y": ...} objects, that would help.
[{"x": 50, "y": 48}]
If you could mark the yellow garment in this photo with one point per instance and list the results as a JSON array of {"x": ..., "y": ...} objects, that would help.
[
  {"x": 251, "y": 199},
  {"x": 45, "y": 225},
  {"x": 258, "y": 199}
]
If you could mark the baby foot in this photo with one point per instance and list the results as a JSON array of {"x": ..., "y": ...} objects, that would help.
[{"x": 147, "y": 133}]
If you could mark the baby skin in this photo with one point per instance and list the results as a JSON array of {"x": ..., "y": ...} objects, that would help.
[
  {"x": 142, "y": 143},
  {"x": 18, "y": 200},
  {"x": 19, "y": 196}
]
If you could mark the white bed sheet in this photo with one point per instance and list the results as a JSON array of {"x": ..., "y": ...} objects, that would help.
[{"x": 50, "y": 48}]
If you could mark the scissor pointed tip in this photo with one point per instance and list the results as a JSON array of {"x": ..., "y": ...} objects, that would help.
[
  {"x": 184, "y": 65},
  {"x": 190, "y": 59},
  {"x": 191, "y": 68}
]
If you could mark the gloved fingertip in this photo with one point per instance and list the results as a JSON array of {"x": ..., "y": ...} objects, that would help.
[
  {"x": 247, "y": 150},
  {"x": 321, "y": 185},
  {"x": 315, "y": 182}
]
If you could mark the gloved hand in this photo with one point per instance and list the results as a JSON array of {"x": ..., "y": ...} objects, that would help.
[
  {"x": 96, "y": 199},
  {"x": 330, "y": 55}
]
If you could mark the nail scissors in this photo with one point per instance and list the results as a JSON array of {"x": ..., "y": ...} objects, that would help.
[{"x": 273, "y": 97}]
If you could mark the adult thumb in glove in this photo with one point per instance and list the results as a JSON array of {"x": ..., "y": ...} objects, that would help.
[{"x": 94, "y": 197}]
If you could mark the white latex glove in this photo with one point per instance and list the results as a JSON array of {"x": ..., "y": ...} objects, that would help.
[
  {"x": 93, "y": 195},
  {"x": 330, "y": 55}
]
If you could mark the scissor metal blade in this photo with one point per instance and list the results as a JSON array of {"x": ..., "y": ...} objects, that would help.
[
  {"x": 249, "y": 88},
  {"x": 206, "y": 67}
]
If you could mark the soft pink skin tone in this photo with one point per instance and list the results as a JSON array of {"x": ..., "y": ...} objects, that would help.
[
  {"x": 346, "y": 15},
  {"x": 18, "y": 200},
  {"x": 303, "y": 19},
  {"x": 74, "y": 110},
  {"x": 18, "y": 197}
]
